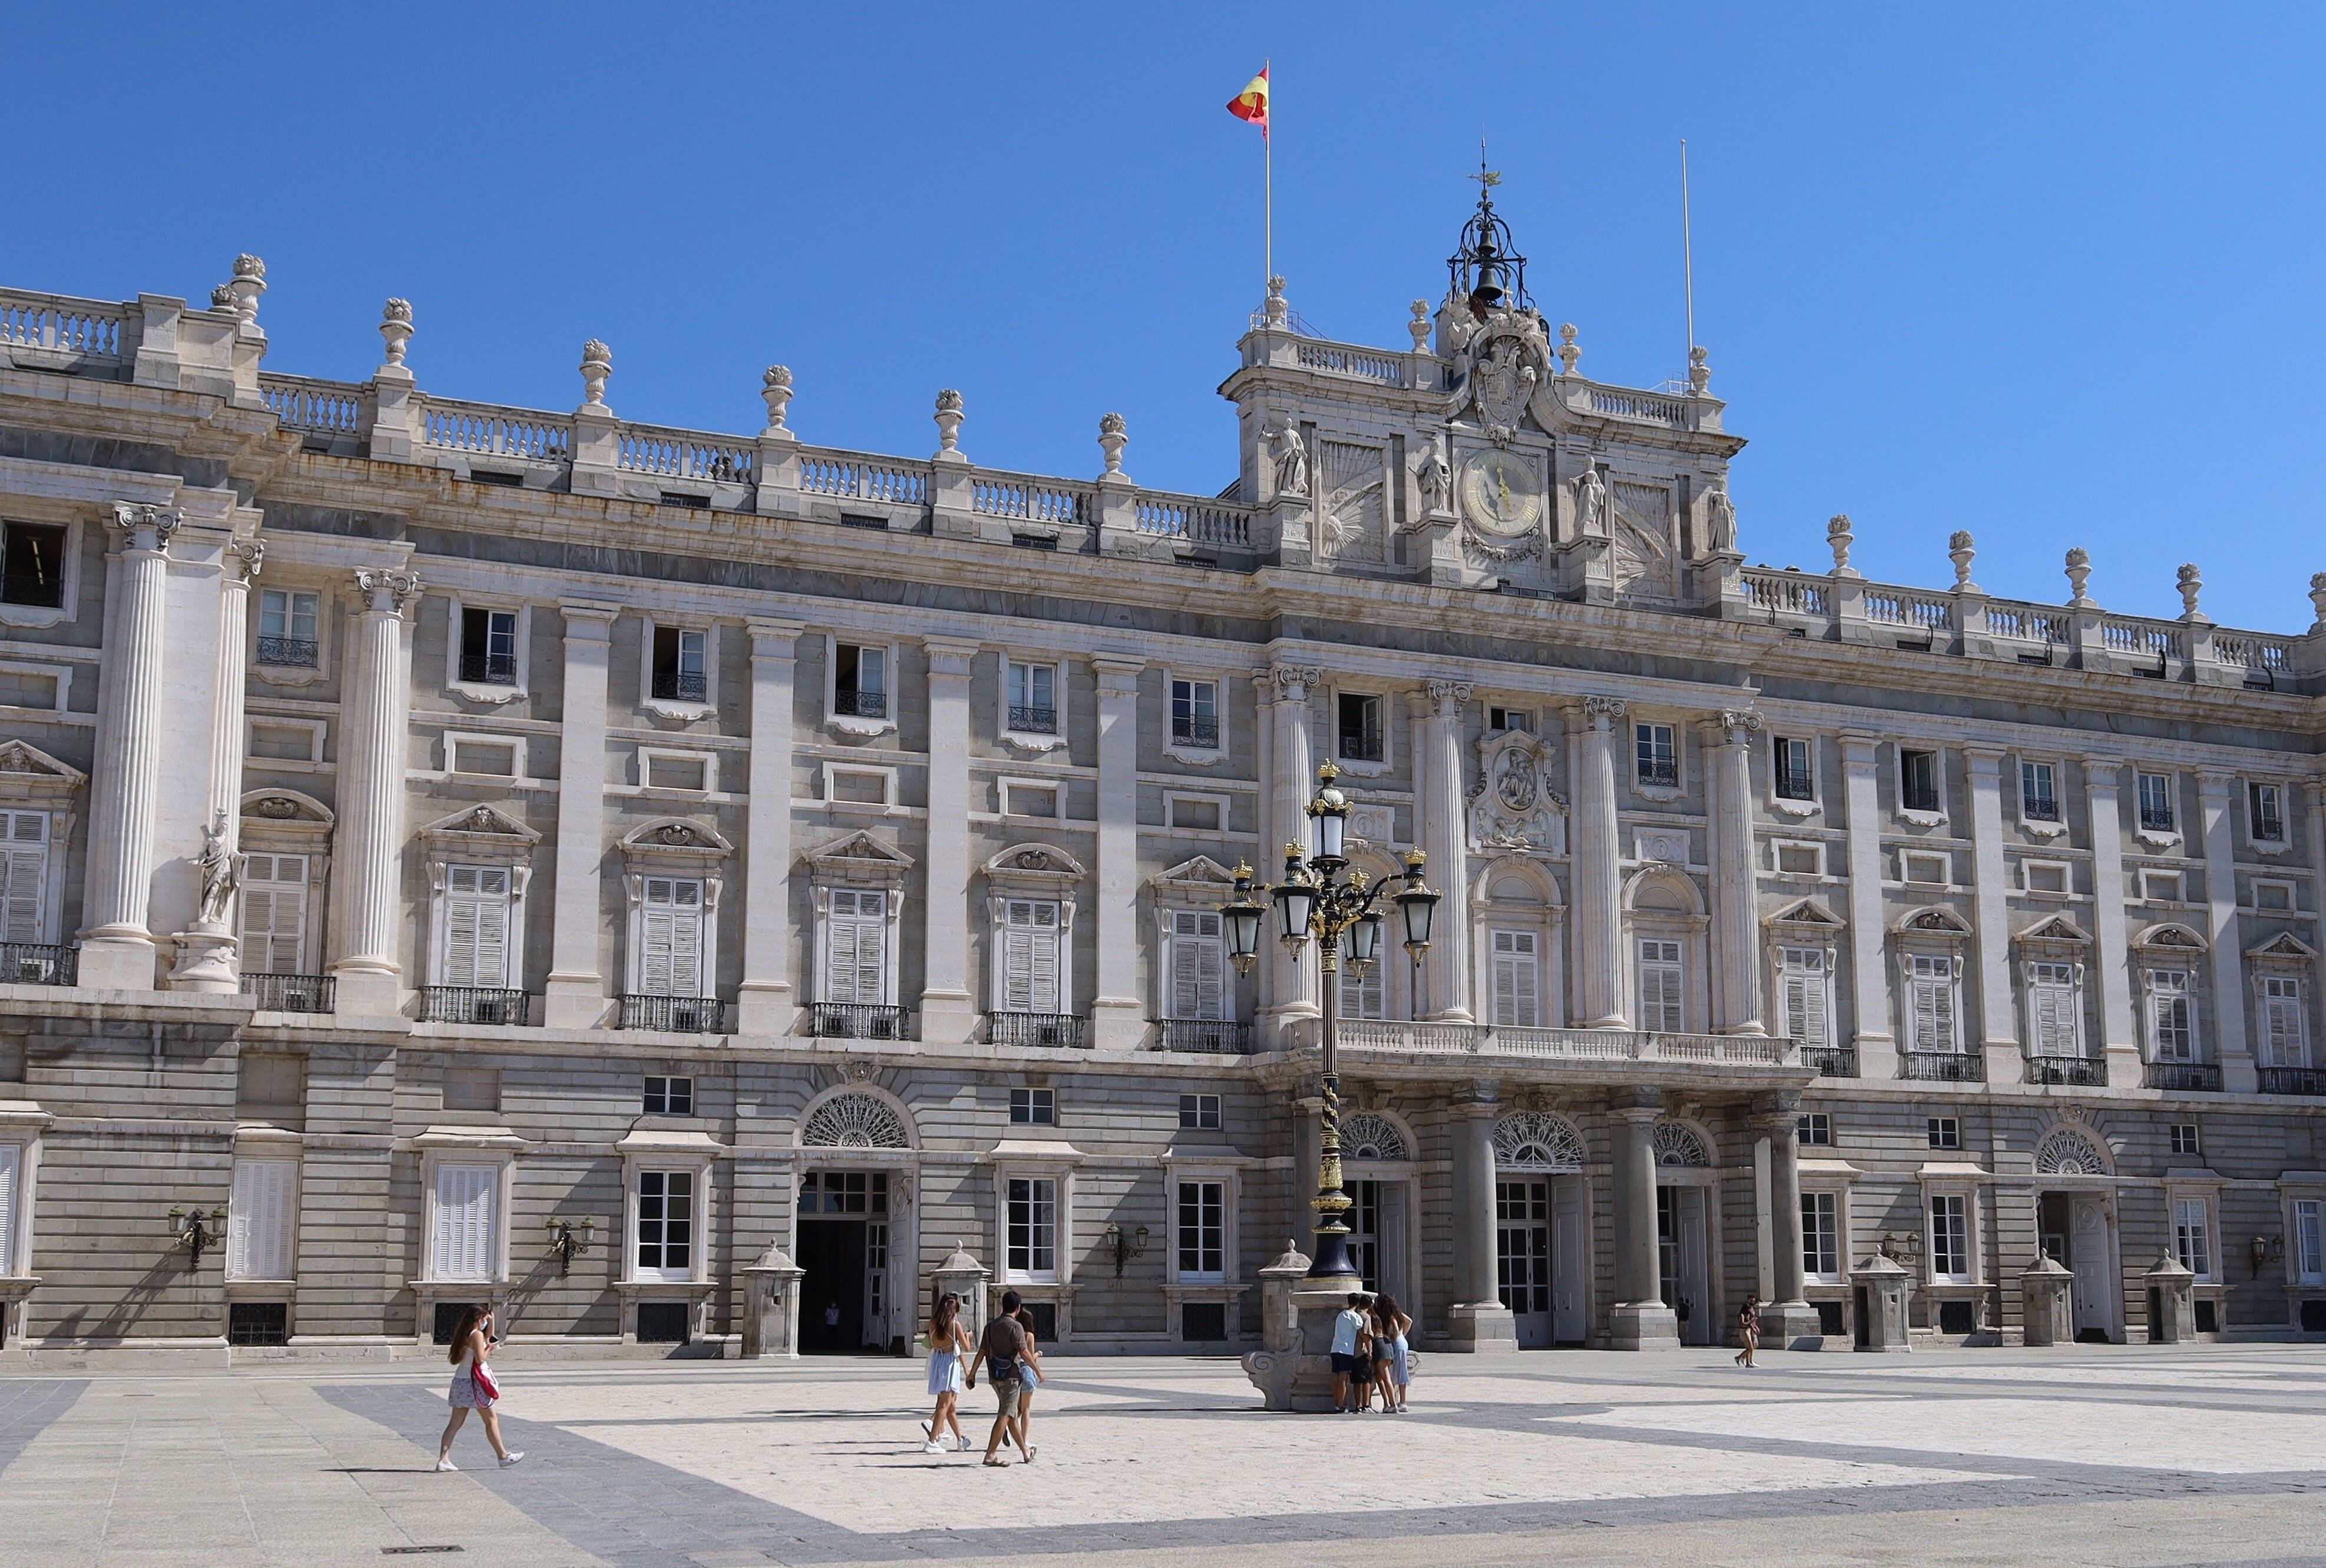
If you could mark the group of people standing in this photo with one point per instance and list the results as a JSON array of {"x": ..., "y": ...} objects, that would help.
[
  {"x": 1370, "y": 1355},
  {"x": 1012, "y": 1362}
]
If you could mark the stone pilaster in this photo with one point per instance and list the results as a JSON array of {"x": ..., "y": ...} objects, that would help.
[
  {"x": 209, "y": 956},
  {"x": 376, "y": 698},
  {"x": 1293, "y": 988},
  {"x": 1118, "y": 1021},
  {"x": 574, "y": 996},
  {"x": 1639, "y": 1320},
  {"x": 116, "y": 950},
  {"x": 1998, "y": 1029},
  {"x": 2119, "y": 1032},
  {"x": 1263, "y": 729},
  {"x": 1445, "y": 838},
  {"x": 1875, "y": 1035},
  {"x": 1736, "y": 914},
  {"x": 1789, "y": 1321},
  {"x": 1597, "y": 860},
  {"x": 765, "y": 1002},
  {"x": 948, "y": 1015},
  {"x": 1476, "y": 1319},
  {"x": 2216, "y": 792}
]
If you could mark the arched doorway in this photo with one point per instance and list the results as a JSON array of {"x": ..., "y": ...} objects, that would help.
[
  {"x": 1542, "y": 1248},
  {"x": 2075, "y": 1224},
  {"x": 1686, "y": 1219},
  {"x": 1384, "y": 1215},
  {"x": 852, "y": 1232}
]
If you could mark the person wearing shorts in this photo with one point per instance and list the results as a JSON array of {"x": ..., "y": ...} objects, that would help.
[
  {"x": 1347, "y": 1329},
  {"x": 999, "y": 1349}
]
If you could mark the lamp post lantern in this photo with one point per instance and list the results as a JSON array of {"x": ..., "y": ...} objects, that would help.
[{"x": 1321, "y": 897}]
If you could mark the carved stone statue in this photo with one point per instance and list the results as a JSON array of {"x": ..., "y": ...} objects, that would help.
[
  {"x": 221, "y": 874},
  {"x": 1719, "y": 521},
  {"x": 1291, "y": 461},
  {"x": 1436, "y": 480},
  {"x": 1590, "y": 505}
]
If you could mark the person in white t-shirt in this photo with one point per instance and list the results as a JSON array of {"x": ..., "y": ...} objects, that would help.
[{"x": 1347, "y": 1329}]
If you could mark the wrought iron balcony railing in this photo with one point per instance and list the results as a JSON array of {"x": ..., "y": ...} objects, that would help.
[
  {"x": 1214, "y": 1034},
  {"x": 2308, "y": 1080},
  {"x": 678, "y": 686},
  {"x": 679, "y": 1015},
  {"x": 1033, "y": 720},
  {"x": 474, "y": 1005},
  {"x": 1036, "y": 1029},
  {"x": 1659, "y": 775},
  {"x": 33, "y": 963},
  {"x": 2079, "y": 1071},
  {"x": 298, "y": 653},
  {"x": 292, "y": 993},
  {"x": 1943, "y": 1066},
  {"x": 1831, "y": 1061},
  {"x": 2186, "y": 1077},
  {"x": 860, "y": 704},
  {"x": 1204, "y": 733},
  {"x": 1357, "y": 748},
  {"x": 489, "y": 669},
  {"x": 857, "y": 1021},
  {"x": 2157, "y": 821}
]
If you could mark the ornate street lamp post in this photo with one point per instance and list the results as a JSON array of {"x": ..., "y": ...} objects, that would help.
[{"x": 1321, "y": 897}]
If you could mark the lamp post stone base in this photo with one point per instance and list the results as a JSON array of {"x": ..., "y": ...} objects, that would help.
[
  {"x": 1481, "y": 1328},
  {"x": 1293, "y": 1371}
]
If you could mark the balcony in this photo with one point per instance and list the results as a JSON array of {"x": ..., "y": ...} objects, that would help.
[
  {"x": 677, "y": 1015},
  {"x": 860, "y": 704},
  {"x": 1033, "y": 720},
  {"x": 295, "y": 653},
  {"x": 1589, "y": 1046},
  {"x": 473, "y": 1005},
  {"x": 2155, "y": 821},
  {"x": 489, "y": 669},
  {"x": 2308, "y": 1080},
  {"x": 679, "y": 686},
  {"x": 1831, "y": 1061},
  {"x": 1661, "y": 775},
  {"x": 856, "y": 1021},
  {"x": 1943, "y": 1066},
  {"x": 2186, "y": 1077},
  {"x": 1203, "y": 733},
  {"x": 2075, "y": 1071},
  {"x": 1036, "y": 1029},
  {"x": 291, "y": 993},
  {"x": 1219, "y": 1036},
  {"x": 32, "y": 963},
  {"x": 1360, "y": 748}
]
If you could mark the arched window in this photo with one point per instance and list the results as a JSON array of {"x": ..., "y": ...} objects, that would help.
[
  {"x": 1368, "y": 1135},
  {"x": 1678, "y": 1146},
  {"x": 854, "y": 1121},
  {"x": 2065, "y": 1152},
  {"x": 1529, "y": 1140}
]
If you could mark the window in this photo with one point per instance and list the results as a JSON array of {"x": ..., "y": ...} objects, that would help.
[
  {"x": 2192, "y": 1237},
  {"x": 32, "y": 565},
  {"x": 1198, "y": 966},
  {"x": 1360, "y": 727},
  {"x": 670, "y": 938},
  {"x": 1930, "y": 1003},
  {"x": 1790, "y": 763},
  {"x": 1196, "y": 714},
  {"x": 260, "y": 1219},
  {"x": 1918, "y": 781},
  {"x": 859, "y": 681},
  {"x": 669, "y": 1096},
  {"x": 467, "y": 1210},
  {"x": 2157, "y": 814},
  {"x": 1801, "y": 995},
  {"x": 1034, "y": 1107},
  {"x": 1657, "y": 755},
  {"x": 1946, "y": 1133},
  {"x": 1821, "y": 1235},
  {"x": 2051, "y": 1010},
  {"x": 2266, "y": 812},
  {"x": 2171, "y": 1016},
  {"x": 1817, "y": 1128},
  {"x": 2160, "y": 886},
  {"x": 2308, "y": 1255},
  {"x": 273, "y": 914},
  {"x": 2185, "y": 1140},
  {"x": 1364, "y": 995},
  {"x": 680, "y": 665},
  {"x": 1511, "y": 718},
  {"x": 1951, "y": 1237},
  {"x": 288, "y": 621},
  {"x": 665, "y": 1225},
  {"x": 25, "y": 876},
  {"x": 12, "y": 1164},
  {"x": 844, "y": 1193},
  {"x": 1033, "y": 697},
  {"x": 2285, "y": 1024},
  {"x": 2039, "y": 792},
  {"x": 1030, "y": 956},
  {"x": 1033, "y": 1228},
  {"x": 1518, "y": 980},
  {"x": 856, "y": 947},
  {"x": 476, "y": 926},
  {"x": 1203, "y": 1230},
  {"x": 1661, "y": 1008},
  {"x": 489, "y": 647},
  {"x": 1200, "y": 1112}
]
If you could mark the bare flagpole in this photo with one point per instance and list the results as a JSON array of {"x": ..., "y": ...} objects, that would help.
[
  {"x": 1687, "y": 250},
  {"x": 1268, "y": 180}
]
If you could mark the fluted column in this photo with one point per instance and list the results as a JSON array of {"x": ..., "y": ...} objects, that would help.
[
  {"x": 116, "y": 950},
  {"x": 948, "y": 1016},
  {"x": 1597, "y": 863},
  {"x": 1292, "y": 985},
  {"x": 1117, "y": 1020},
  {"x": 1736, "y": 914},
  {"x": 366, "y": 863},
  {"x": 2120, "y": 1035},
  {"x": 765, "y": 1002},
  {"x": 1875, "y": 1036},
  {"x": 2240, "y": 1074},
  {"x": 1476, "y": 1319},
  {"x": 1639, "y": 1320},
  {"x": 209, "y": 954},
  {"x": 1789, "y": 1318},
  {"x": 1446, "y": 841}
]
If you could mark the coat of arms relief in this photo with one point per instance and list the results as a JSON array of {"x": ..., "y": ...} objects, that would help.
[{"x": 1512, "y": 804}]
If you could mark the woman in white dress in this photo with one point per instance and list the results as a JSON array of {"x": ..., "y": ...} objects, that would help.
[
  {"x": 948, "y": 1344},
  {"x": 471, "y": 1342}
]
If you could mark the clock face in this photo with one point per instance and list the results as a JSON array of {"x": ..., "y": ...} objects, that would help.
[{"x": 1499, "y": 493}]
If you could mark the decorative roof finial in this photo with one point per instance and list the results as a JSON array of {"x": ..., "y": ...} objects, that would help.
[
  {"x": 1839, "y": 536},
  {"x": 396, "y": 328},
  {"x": 2192, "y": 582},
  {"x": 948, "y": 416},
  {"x": 250, "y": 282},
  {"x": 1486, "y": 270},
  {"x": 775, "y": 392},
  {"x": 1699, "y": 373},
  {"x": 1569, "y": 351},
  {"x": 1959, "y": 550},
  {"x": 1114, "y": 435},
  {"x": 2079, "y": 571},
  {"x": 2317, "y": 600},
  {"x": 597, "y": 364},
  {"x": 1420, "y": 325},
  {"x": 1273, "y": 310}
]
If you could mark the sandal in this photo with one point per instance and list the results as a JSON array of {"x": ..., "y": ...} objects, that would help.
[{"x": 997, "y": 1464}]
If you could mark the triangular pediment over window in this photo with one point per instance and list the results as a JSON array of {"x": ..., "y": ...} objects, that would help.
[
  {"x": 481, "y": 822},
  {"x": 859, "y": 860},
  {"x": 2056, "y": 928},
  {"x": 1805, "y": 911},
  {"x": 30, "y": 775},
  {"x": 676, "y": 836},
  {"x": 2283, "y": 945},
  {"x": 1200, "y": 880},
  {"x": 1934, "y": 922},
  {"x": 2170, "y": 936}
]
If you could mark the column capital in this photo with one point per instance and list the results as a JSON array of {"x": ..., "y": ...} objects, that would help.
[
  {"x": 950, "y": 656},
  {"x": 2103, "y": 772},
  {"x": 145, "y": 527},
  {"x": 1782, "y": 1106},
  {"x": 1859, "y": 750},
  {"x": 1446, "y": 697},
  {"x": 1983, "y": 755},
  {"x": 592, "y": 620},
  {"x": 1636, "y": 1104},
  {"x": 1737, "y": 723},
  {"x": 1478, "y": 1094},
  {"x": 763, "y": 630},
  {"x": 251, "y": 553},
  {"x": 386, "y": 592},
  {"x": 1599, "y": 711},
  {"x": 1295, "y": 681},
  {"x": 1118, "y": 673}
]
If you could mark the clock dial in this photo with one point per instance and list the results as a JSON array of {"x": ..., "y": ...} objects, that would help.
[{"x": 1499, "y": 493}]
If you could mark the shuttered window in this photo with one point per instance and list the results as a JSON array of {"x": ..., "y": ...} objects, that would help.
[
  {"x": 1803, "y": 999},
  {"x": 1930, "y": 1001},
  {"x": 12, "y": 1165},
  {"x": 1661, "y": 1008},
  {"x": 1198, "y": 966},
  {"x": 476, "y": 926},
  {"x": 468, "y": 1205},
  {"x": 259, "y": 1219},
  {"x": 1030, "y": 957},
  {"x": 2171, "y": 1016},
  {"x": 2051, "y": 1010},
  {"x": 24, "y": 844},
  {"x": 275, "y": 914},
  {"x": 1518, "y": 980},
  {"x": 856, "y": 953},
  {"x": 2285, "y": 1023},
  {"x": 670, "y": 938},
  {"x": 1365, "y": 996}
]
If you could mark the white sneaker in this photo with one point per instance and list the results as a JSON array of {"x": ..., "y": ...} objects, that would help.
[
  {"x": 966, "y": 1445},
  {"x": 934, "y": 1448},
  {"x": 511, "y": 1457},
  {"x": 446, "y": 1464}
]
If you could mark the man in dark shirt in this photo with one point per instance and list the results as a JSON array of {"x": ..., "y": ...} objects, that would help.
[{"x": 999, "y": 1349}]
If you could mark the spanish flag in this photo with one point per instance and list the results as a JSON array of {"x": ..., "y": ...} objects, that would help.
[{"x": 1252, "y": 103}]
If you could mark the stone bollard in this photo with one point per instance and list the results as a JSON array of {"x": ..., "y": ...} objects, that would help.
[
  {"x": 962, "y": 1275},
  {"x": 771, "y": 1293},
  {"x": 2043, "y": 1302},
  {"x": 2172, "y": 1303},
  {"x": 1881, "y": 1304}
]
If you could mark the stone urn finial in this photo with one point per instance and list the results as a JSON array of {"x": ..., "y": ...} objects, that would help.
[
  {"x": 2079, "y": 571},
  {"x": 2317, "y": 600},
  {"x": 597, "y": 364},
  {"x": 1274, "y": 311},
  {"x": 948, "y": 416},
  {"x": 1568, "y": 350},
  {"x": 1699, "y": 371},
  {"x": 775, "y": 392},
  {"x": 396, "y": 328},
  {"x": 1960, "y": 550},
  {"x": 1114, "y": 435},
  {"x": 222, "y": 297},
  {"x": 1838, "y": 537},
  {"x": 1420, "y": 325},
  {"x": 250, "y": 282},
  {"x": 2192, "y": 582}
]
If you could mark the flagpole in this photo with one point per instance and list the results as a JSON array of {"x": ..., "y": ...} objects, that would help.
[
  {"x": 1687, "y": 249},
  {"x": 1268, "y": 183}
]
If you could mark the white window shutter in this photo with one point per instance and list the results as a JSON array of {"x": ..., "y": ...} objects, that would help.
[
  {"x": 467, "y": 1197},
  {"x": 1029, "y": 956},
  {"x": 260, "y": 1218},
  {"x": 686, "y": 949},
  {"x": 12, "y": 1157},
  {"x": 856, "y": 947},
  {"x": 24, "y": 866},
  {"x": 1198, "y": 967}
]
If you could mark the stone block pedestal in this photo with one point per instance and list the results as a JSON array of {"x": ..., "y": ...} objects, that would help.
[
  {"x": 1637, "y": 1325},
  {"x": 2172, "y": 1303},
  {"x": 1790, "y": 1325},
  {"x": 771, "y": 1293},
  {"x": 1294, "y": 1369},
  {"x": 1881, "y": 1304},
  {"x": 2044, "y": 1303},
  {"x": 1484, "y": 1328}
]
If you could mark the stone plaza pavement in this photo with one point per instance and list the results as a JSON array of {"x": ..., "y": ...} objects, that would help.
[{"x": 2133, "y": 1456}]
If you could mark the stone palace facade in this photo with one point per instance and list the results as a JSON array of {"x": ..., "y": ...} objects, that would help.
[{"x": 458, "y": 852}]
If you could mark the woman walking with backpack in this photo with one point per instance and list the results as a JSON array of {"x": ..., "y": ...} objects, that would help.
[
  {"x": 473, "y": 1388},
  {"x": 948, "y": 1344}
]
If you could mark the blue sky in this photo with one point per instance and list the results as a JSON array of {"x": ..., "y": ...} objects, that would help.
[{"x": 2046, "y": 272}]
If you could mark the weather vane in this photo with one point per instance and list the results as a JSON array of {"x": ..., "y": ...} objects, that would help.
[{"x": 1487, "y": 179}]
